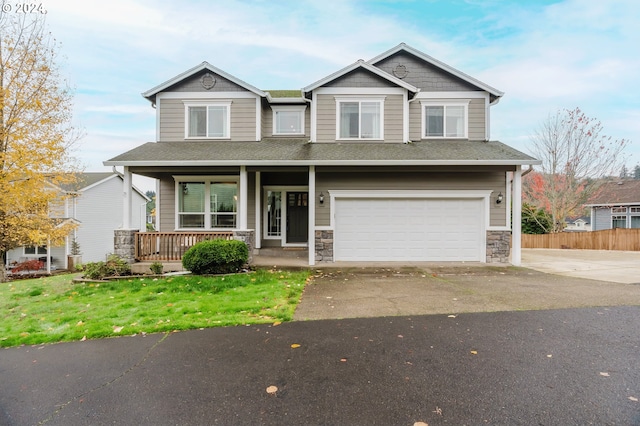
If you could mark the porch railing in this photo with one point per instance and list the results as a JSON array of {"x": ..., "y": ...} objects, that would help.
[{"x": 170, "y": 246}]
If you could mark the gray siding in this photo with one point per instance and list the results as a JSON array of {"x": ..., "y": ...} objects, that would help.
[
  {"x": 476, "y": 120},
  {"x": 396, "y": 179},
  {"x": 326, "y": 118},
  {"x": 243, "y": 120},
  {"x": 360, "y": 78},
  {"x": 194, "y": 84},
  {"x": 424, "y": 75},
  {"x": 167, "y": 208}
]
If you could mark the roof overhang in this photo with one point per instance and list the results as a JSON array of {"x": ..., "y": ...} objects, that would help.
[{"x": 212, "y": 163}]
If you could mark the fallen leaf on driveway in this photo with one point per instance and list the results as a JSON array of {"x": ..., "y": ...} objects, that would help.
[
  {"x": 451, "y": 316},
  {"x": 633, "y": 398},
  {"x": 272, "y": 390},
  {"x": 604, "y": 374},
  {"x": 474, "y": 352},
  {"x": 420, "y": 424},
  {"x": 295, "y": 345},
  {"x": 277, "y": 323}
]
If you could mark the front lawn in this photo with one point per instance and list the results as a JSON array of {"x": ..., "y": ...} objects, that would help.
[{"x": 54, "y": 309}]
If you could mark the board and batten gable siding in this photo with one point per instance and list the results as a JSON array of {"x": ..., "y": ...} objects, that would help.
[
  {"x": 423, "y": 75},
  {"x": 99, "y": 211},
  {"x": 398, "y": 180},
  {"x": 476, "y": 119},
  {"x": 243, "y": 119},
  {"x": 326, "y": 119}
]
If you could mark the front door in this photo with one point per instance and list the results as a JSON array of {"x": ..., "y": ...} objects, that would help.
[{"x": 297, "y": 217}]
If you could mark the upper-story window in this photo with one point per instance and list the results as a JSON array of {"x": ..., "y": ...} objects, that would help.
[
  {"x": 207, "y": 120},
  {"x": 288, "y": 120},
  {"x": 360, "y": 118},
  {"x": 444, "y": 119}
]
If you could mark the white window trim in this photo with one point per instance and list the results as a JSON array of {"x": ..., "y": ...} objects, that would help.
[
  {"x": 204, "y": 103},
  {"x": 360, "y": 99},
  {"x": 618, "y": 210},
  {"x": 444, "y": 103},
  {"x": 37, "y": 251},
  {"x": 288, "y": 108},
  {"x": 620, "y": 217},
  {"x": 283, "y": 217},
  {"x": 207, "y": 196}
]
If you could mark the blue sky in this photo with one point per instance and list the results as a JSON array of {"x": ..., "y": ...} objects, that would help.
[{"x": 545, "y": 55}]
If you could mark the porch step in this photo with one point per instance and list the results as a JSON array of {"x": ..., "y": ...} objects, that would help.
[{"x": 290, "y": 252}]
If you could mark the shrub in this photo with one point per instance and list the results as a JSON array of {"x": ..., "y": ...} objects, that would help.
[
  {"x": 216, "y": 257},
  {"x": 28, "y": 266},
  {"x": 113, "y": 267},
  {"x": 156, "y": 268}
]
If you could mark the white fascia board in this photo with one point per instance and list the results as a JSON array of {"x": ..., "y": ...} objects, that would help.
[
  {"x": 100, "y": 182},
  {"x": 606, "y": 205},
  {"x": 451, "y": 95},
  {"x": 203, "y": 66},
  {"x": 433, "y": 61},
  {"x": 237, "y": 163},
  {"x": 360, "y": 91},
  {"x": 366, "y": 66}
]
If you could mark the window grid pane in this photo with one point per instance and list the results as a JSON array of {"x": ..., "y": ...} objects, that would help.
[
  {"x": 217, "y": 122},
  {"x": 197, "y": 121},
  {"x": 455, "y": 121},
  {"x": 370, "y": 128},
  {"x": 349, "y": 123},
  {"x": 618, "y": 222}
]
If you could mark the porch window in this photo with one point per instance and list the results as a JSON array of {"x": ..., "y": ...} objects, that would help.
[
  {"x": 193, "y": 210},
  {"x": 444, "y": 120},
  {"x": 207, "y": 121},
  {"x": 37, "y": 250},
  {"x": 288, "y": 120},
  {"x": 635, "y": 217},
  {"x": 274, "y": 214},
  {"x": 359, "y": 118}
]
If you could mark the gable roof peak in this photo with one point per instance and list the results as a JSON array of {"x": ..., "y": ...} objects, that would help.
[
  {"x": 437, "y": 63},
  {"x": 151, "y": 93}
]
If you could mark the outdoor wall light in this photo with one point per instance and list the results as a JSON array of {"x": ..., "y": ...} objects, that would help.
[
  {"x": 499, "y": 199},
  {"x": 321, "y": 198}
]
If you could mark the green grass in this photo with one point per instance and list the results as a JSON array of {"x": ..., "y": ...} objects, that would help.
[{"x": 55, "y": 309}]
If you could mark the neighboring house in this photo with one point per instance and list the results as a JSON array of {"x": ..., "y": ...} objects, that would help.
[
  {"x": 384, "y": 160},
  {"x": 579, "y": 224},
  {"x": 616, "y": 205},
  {"x": 95, "y": 203}
]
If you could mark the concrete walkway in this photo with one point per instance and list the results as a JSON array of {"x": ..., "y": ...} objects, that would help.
[{"x": 603, "y": 265}]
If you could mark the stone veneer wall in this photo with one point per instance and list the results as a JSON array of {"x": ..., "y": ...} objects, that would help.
[
  {"x": 324, "y": 246},
  {"x": 498, "y": 246},
  {"x": 124, "y": 244},
  {"x": 248, "y": 237}
]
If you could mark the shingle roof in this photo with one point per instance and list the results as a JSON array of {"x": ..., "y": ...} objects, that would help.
[
  {"x": 274, "y": 151},
  {"x": 617, "y": 192},
  {"x": 86, "y": 179}
]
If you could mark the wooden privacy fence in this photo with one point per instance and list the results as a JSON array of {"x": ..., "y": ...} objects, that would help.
[
  {"x": 609, "y": 239},
  {"x": 170, "y": 246}
]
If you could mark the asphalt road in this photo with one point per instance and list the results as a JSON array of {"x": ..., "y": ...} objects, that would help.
[{"x": 556, "y": 367}]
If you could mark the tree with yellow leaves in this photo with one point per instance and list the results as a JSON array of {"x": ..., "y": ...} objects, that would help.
[{"x": 36, "y": 135}]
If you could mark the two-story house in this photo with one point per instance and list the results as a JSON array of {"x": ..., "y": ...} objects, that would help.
[
  {"x": 94, "y": 203},
  {"x": 384, "y": 160}
]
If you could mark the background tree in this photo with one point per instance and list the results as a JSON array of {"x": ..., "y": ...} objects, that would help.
[
  {"x": 36, "y": 135},
  {"x": 575, "y": 157},
  {"x": 636, "y": 171},
  {"x": 535, "y": 220}
]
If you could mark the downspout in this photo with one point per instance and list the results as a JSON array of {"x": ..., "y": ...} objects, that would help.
[{"x": 414, "y": 98}]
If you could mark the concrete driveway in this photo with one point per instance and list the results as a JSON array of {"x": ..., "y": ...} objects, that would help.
[{"x": 603, "y": 265}]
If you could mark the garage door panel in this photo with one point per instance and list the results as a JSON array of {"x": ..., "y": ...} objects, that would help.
[{"x": 409, "y": 229}]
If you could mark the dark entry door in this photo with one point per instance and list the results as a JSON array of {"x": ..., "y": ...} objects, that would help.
[{"x": 297, "y": 217}]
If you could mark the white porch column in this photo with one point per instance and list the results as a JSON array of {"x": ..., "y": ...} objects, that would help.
[
  {"x": 258, "y": 227},
  {"x": 243, "y": 199},
  {"x": 127, "y": 193},
  {"x": 516, "y": 227},
  {"x": 312, "y": 216}
]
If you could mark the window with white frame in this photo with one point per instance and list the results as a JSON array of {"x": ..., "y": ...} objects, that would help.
[
  {"x": 288, "y": 120},
  {"x": 207, "y": 204},
  {"x": 635, "y": 217},
  {"x": 618, "y": 222},
  {"x": 37, "y": 250},
  {"x": 618, "y": 210},
  {"x": 207, "y": 120},
  {"x": 444, "y": 119},
  {"x": 360, "y": 118}
]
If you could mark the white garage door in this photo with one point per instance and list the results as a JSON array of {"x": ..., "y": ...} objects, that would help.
[{"x": 390, "y": 229}]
